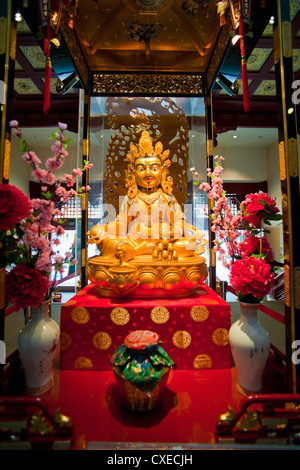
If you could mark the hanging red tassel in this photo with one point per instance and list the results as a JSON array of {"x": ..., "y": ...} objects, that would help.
[
  {"x": 244, "y": 67},
  {"x": 46, "y": 105},
  {"x": 47, "y": 68}
]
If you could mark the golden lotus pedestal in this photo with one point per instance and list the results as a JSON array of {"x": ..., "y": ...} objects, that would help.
[{"x": 144, "y": 277}]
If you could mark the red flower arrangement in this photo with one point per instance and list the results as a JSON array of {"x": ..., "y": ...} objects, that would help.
[
  {"x": 26, "y": 225},
  {"x": 25, "y": 286},
  {"x": 15, "y": 206},
  {"x": 258, "y": 207},
  {"x": 251, "y": 273},
  {"x": 251, "y": 276}
]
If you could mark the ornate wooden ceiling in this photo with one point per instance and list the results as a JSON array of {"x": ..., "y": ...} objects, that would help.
[{"x": 156, "y": 36}]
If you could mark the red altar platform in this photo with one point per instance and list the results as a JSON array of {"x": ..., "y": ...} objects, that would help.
[{"x": 193, "y": 330}]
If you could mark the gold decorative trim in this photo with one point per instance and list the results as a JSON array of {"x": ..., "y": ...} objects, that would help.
[
  {"x": 293, "y": 157},
  {"x": 219, "y": 52},
  {"x": 297, "y": 286},
  {"x": 85, "y": 147},
  {"x": 6, "y": 160},
  {"x": 276, "y": 44},
  {"x": 2, "y": 285},
  {"x": 210, "y": 147},
  {"x": 286, "y": 39},
  {"x": 282, "y": 161},
  {"x": 83, "y": 257},
  {"x": 287, "y": 285},
  {"x": 74, "y": 49},
  {"x": 147, "y": 84},
  {"x": 3, "y": 25}
]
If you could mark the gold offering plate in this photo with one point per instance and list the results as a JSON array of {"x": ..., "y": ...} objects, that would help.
[{"x": 144, "y": 277}]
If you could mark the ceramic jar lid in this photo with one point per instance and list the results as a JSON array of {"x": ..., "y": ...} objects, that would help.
[{"x": 141, "y": 339}]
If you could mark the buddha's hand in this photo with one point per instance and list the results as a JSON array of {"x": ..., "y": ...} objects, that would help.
[{"x": 95, "y": 234}]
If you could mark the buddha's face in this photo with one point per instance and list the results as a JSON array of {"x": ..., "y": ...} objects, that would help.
[{"x": 148, "y": 172}]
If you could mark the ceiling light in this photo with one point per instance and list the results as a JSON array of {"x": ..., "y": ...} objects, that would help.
[
  {"x": 18, "y": 16},
  {"x": 235, "y": 39},
  {"x": 272, "y": 20},
  {"x": 290, "y": 110},
  {"x": 234, "y": 136}
]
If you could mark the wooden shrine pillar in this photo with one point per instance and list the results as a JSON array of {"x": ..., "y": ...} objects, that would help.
[
  {"x": 8, "y": 36},
  {"x": 289, "y": 175},
  {"x": 85, "y": 182},
  {"x": 210, "y": 164}
]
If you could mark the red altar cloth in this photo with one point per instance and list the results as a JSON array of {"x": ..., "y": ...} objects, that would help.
[{"x": 193, "y": 330}]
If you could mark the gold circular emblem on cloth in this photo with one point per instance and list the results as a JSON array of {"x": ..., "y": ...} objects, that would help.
[
  {"x": 65, "y": 340},
  {"x": 102, "y": 340},
  {"x": 160, "y": 314},
  {"x": 220, "y": 336},
  {"x": 203, "y": 361},
  {"x": 199, "y": 313},
  {"x": 83, "y": 363},
  {"x": 182, "y": 339},
  {"x": 119, "y": 316},
  {"x": 80, "y": 315}
]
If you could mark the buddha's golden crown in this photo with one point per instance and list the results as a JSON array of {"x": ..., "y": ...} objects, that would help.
[{"x": 145, "y": 149}]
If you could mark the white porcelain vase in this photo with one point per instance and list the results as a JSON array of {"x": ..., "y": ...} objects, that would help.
[
  {"x": 37, "y": 344},
  {"x": 250, "y": 346}
]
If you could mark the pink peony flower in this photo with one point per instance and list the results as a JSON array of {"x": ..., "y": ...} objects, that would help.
[{"x": 251, "y": 275}]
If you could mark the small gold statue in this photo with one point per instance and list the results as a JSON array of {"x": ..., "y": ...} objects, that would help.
[{"x": 150, "y": 234}]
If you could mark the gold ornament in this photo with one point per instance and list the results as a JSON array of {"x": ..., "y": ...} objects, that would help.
[
  {"x": 120, "y": 316},
  {"x": 182, "y": 339},
  {"x": 83, "y": 362},
  {"x": 199, "y": 313},
  {"x": 102, "y": 340},
  {"x": 220, "y": 336},
  {"x": 160, "y": 315},
  {"x": 65, "y": 340},
  {"x": 80, "y": 315},
  {"x": 202, "y": 361}
]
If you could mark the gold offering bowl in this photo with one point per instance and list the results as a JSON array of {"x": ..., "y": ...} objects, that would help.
[{"x": 145, "y": 277}]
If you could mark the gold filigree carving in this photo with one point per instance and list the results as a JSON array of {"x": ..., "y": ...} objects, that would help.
[
  {"x": 282, "y": 160},
  {"x": 74, "y": 49},
  {"x": 286, "y": 39},
  {"x": 6, "y": 160},
  {"x": 293, "y": 157},
  {"x": 129, "y": 117},
  {"x": 146, "y": 84}
]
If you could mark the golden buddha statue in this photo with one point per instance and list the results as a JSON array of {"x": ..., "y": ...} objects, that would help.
[{"x": 149, "y": 249}]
